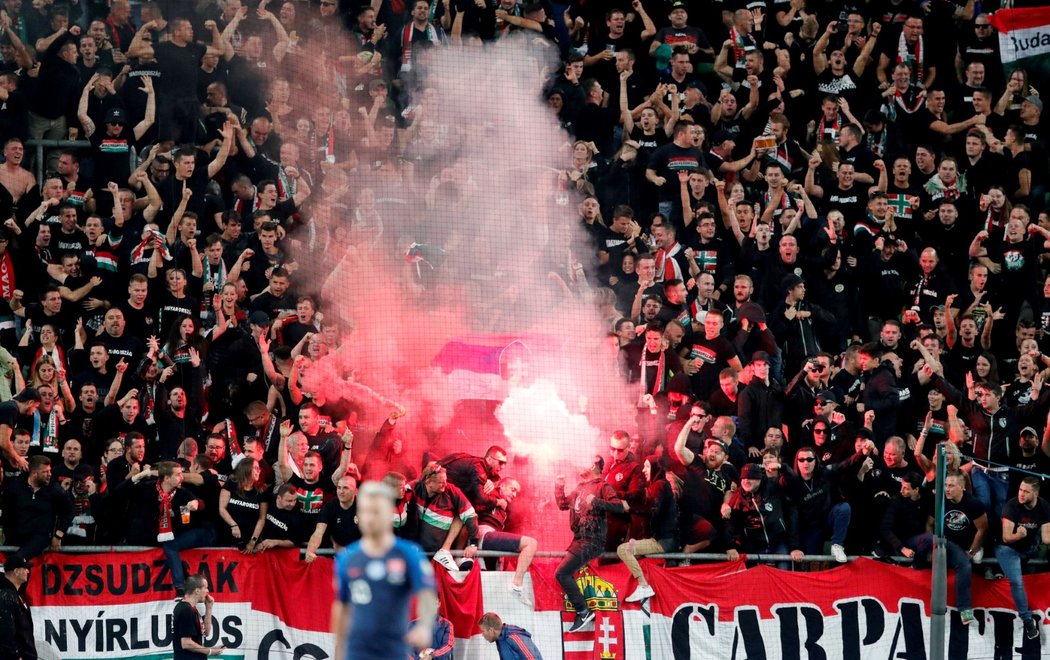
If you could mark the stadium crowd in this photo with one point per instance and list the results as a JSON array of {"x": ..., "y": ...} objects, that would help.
[{"x": 824, "y": 258}]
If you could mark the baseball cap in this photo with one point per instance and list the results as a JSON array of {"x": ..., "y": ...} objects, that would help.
[
  {"x": 721, "y": 137},
  {"x": 790, "y": 281},
  {"x": 1036, "y": 101},
  {"x": 27, "y": 395},
  {"x": 827, "y": 396},
  {"x": 752, "y": 471},
  {"x": 752, "y": 312},
  {"x": 1028, "y": 430},
  {"x": 678, "y": 4},
  {"x": 259, "y": 318},
  {"x": 14, "y": 562},
  {"x": 760, "y": 356},
  {"x": 116, "y": 116}
]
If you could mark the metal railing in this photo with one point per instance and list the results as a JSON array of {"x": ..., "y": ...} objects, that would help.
[
  {"x": 40, "y": 164},
  {"x": 703, "y": 557}
]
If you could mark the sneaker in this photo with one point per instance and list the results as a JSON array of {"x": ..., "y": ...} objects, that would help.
[
  {"x": 521, "y": 596},
  {"x": 640, "y": 594},
  {"x": 179, "y": 593},
  {"x": 444, "y": 557},
  {"x": 583, "y": 620},
  {"x": 466, "y": 564},
  {"x": 839, "y": 553},
  {"x": 1031, "y": 628},
  {"x": 966, "y": 616},
  {"x": 978, "y": 556}
]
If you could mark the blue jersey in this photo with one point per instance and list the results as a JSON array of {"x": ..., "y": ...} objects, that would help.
[{"x": 378, "y": 590}]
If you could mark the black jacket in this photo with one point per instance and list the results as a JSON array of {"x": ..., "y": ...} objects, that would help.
[
  {"x": 16, "y": 625},
  {"x": 29, "y": 513}
]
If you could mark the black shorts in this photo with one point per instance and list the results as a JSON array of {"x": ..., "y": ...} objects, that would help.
[{"x": 500, "y": 542}]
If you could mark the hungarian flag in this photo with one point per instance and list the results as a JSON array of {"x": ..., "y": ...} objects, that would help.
[{"x": 1023, "y": 33}]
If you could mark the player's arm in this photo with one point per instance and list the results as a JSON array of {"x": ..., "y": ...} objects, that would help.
[
  {"x": 342, "y": 610},
  {"x": 342, "y": 615},
  {"x": 421, "y": 578}
]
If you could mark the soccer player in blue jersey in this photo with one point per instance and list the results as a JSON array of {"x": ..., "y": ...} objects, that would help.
[{"x": 374, "y": 580}]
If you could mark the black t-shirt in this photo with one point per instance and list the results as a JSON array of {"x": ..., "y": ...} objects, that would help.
[
  {"x": 670, "y": 159},
  {"x": 282, "y": 525},
  {"x": 178, "y": 68},
  {"x": 186, "y": 622},
  {"x": 342, "y": 523},
  {"x": 138, "y": 322},
  {"x": 1039, "y": 462},
  {"x": 714, "y": 356},
  {"x": 73, "y": 243},
  {"x": 112, "y": 161},
  {"x": 1031, "y": 519},
  {"x": 9, "y": 414},
  {"x": 243, "y": 507},
  {"x": 311, "y": 497}
]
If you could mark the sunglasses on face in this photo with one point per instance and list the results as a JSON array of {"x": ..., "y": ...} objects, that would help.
[{"x": 807, "y": 460}]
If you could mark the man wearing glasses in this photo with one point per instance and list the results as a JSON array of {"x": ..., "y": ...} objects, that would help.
[
  {"x": 16, "y": 621},
  {"x": 821, "y": 507},
  {"x": 478, "y": 477}
]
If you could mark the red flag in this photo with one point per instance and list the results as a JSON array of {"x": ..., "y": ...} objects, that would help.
[{"x": 462, "y": 603}]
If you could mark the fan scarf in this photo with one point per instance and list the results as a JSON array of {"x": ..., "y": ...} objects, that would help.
[
  {"x": 915, "y": 62},
  {"x": 165, "y": 530}
]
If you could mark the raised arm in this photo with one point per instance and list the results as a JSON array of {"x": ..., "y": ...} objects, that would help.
[
  {"x": 82, "y": 107},
  {"x": 865, "y": 53},
  {"x": 151, "y": 108},
  {"x": 224, "y": 151},
  {"x": 139, "y": 48},
  {"x": 685, "y": 454}
]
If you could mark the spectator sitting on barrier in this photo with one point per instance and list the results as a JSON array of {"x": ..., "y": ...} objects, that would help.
[
  {"x": 491, "y": 523},
  {"x": 906, "y": 529},
  {"x": 1026, "y": 526},
  {"x": 659, "y": 509},
  {"x": 761, "y": 519},
  {"x": 161, "y": 512},
  {"x": 438, "y": 504},
  {"x": 588, "y": 503}
]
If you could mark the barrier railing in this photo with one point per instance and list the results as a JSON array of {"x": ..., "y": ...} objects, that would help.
[{"x": 39, "y": 164}]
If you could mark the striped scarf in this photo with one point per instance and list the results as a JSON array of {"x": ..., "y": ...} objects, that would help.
[
  {"x": 138, "y": 255},
  {"x": 914, "y": 61},
  {"x": 406, "y": 40}
]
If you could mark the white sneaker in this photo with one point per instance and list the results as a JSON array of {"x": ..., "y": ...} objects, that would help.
[
  {"x": 640, "y": 594},
  {"x": 839, "y": 553},
  {"x": 978, "y": 556},
  {"x": 521, "y": 596},
  {"x": 444, "y": 557},
  {"x": 466, "y": 564}
]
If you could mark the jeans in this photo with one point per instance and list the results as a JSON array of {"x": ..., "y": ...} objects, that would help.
[
  {"x": 1010, "y": 563},
  {"x": 837, "y": 521},
  {"x": 49, "y": 129},
  {"x": 990, "y": 489},
  {"x": 190, "y": 538},
  {"x": 957, "y": 560},
  {"x": 577, "y": 556}
]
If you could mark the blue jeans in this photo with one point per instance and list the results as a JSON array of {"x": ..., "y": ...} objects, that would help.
[
  {"x": 990, "y": 489},
  {"x": 957, "y": 559},
  {"x": 1010, "y": 563},
  {"x": 837, "y": 522},
  {"x": 191, "y": 538}
]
